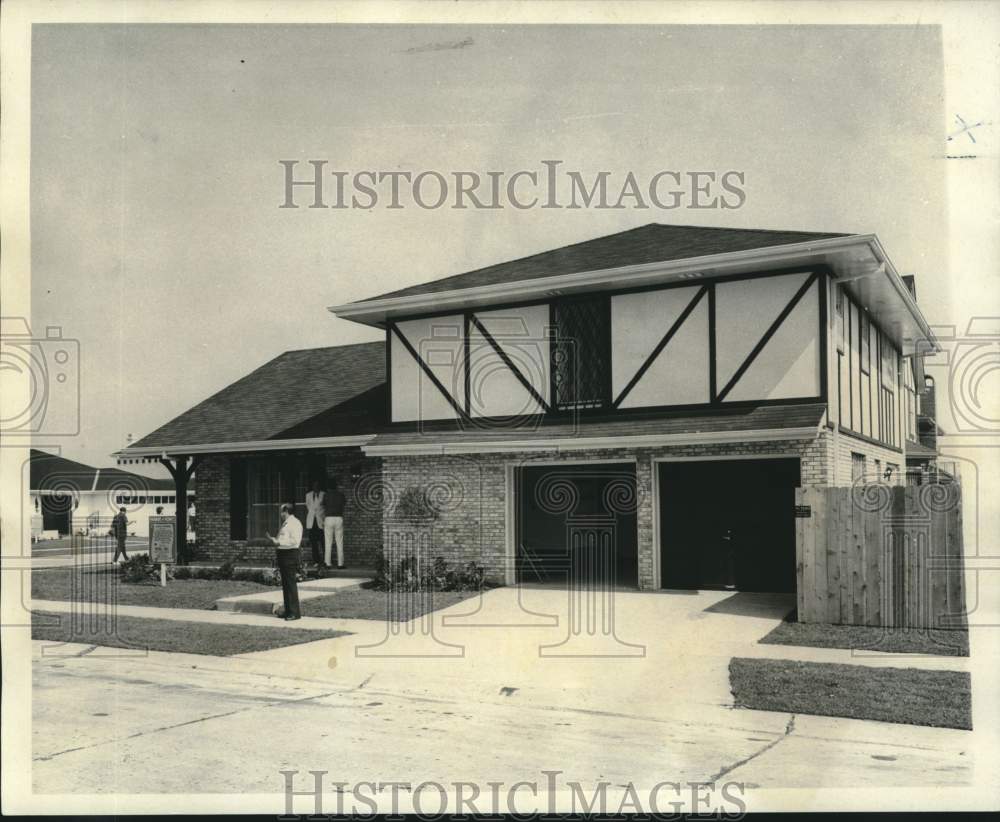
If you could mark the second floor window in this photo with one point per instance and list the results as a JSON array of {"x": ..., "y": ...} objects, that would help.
[{"x": 581, "y": 353}]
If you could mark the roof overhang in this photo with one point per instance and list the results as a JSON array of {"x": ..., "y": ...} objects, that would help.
[
  {"x": 859, "y": 260},
  {"x": 426, "y": 445},
  {"x": 164, "y": 451}
]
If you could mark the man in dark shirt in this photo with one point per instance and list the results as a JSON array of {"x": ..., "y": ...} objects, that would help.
[
  {"x": 333, "y": 522},
  {"x": 119, "y": 528}
]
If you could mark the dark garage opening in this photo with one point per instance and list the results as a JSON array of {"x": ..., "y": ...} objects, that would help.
[
  {"x": 579, "y": 519},
  {"x": 728, "y": 524},
  {"x": 57, "y": 512}
]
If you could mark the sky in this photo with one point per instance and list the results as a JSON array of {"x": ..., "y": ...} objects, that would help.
[{"x": 157, "y": 237}]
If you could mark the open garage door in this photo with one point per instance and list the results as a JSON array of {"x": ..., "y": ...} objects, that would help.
[
  {"x": 728, "y": 524},
  {"x": 577, "y": 520}
]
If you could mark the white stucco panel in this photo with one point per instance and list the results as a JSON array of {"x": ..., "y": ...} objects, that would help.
[
  {"x": 679, "y": 374},
  {"x": 744, "y": 310},
  {"x": 521, "y": 334},
  {"x": 789, "y": 364},
  {"x": 439, "y": 341}
]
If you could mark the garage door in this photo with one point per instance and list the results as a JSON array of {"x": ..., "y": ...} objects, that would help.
[
  {"x": 577, "y": 521},
  {"x": 728, "y": 524}
]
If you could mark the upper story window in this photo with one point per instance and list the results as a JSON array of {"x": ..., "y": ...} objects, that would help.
[
  {"x": 581, "y": 353},
  {"x": 866, "y": 351},
  {"x": 841, "y": 330},
  {"x": 888, "y": 363}
]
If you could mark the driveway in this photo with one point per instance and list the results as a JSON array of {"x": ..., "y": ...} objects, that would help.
[{"x": 499, "y": 688}]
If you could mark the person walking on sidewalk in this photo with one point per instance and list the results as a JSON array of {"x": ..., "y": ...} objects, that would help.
[
  {"x": 119, "y": 529},
  {"x": 333, "y": 523},
  {"x": 287, "y": 542}
]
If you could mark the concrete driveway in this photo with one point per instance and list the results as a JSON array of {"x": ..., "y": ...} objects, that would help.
[{"x": 500, "y": 687}]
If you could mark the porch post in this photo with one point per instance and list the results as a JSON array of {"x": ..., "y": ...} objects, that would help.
[{"x": 181, "y": 471}]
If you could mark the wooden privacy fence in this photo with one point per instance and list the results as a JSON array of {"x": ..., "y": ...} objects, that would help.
[{"x": 880, "y": 555}]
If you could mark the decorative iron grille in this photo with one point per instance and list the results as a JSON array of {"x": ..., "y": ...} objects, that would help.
[{"x": 581, "y": 353}]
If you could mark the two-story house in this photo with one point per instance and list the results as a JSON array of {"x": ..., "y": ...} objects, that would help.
[{"x": 647, "y": 400}]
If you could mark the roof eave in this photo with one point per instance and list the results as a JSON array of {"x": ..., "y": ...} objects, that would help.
[
  {"x": 164, "y": 451},
  {"x": 576, "y": 443},
  {"x": 373, "y": 312}
]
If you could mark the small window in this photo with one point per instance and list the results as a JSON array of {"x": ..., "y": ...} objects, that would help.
[
  {"x": 841, "y": 329},
  {"x": 866, "y": 351},
  {"x": 857, "y": 466},
  {"x": 878, "y": 470}
]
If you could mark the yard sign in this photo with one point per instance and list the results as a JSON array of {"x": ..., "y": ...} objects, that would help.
[{"x": 163, "y": 543}]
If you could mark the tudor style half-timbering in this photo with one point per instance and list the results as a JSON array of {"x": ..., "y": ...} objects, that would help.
[
  {"x": 709, "y": 371},
  {"x": 646, "y": 402},
  {"x": 756, "y": 338}
]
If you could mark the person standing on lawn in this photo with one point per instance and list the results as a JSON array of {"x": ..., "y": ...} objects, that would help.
[
  {"x": 314, "y": 521},
  {"x": 288, "y": 540},
  {"x": 333, "y": 523},
  {"x": 119, "y": 529}
]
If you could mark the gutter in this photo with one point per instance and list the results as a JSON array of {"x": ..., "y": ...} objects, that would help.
[
  {"x": 160, "y": 451},
  {"x": 567, "y": 444}
]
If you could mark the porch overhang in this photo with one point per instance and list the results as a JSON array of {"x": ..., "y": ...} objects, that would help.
[
  {"x": 762, "y": 424},
  {"x": 163, "y": 452},
  {"x": 566, "y": 444}
]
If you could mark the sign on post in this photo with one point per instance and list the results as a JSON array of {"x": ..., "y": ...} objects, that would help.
[{"x": 163, "y": 543}]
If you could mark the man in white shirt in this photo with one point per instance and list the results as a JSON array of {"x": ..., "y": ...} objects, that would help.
[
  {"x": 288, "y": 540},
  {"x": 315, "y": 514}
]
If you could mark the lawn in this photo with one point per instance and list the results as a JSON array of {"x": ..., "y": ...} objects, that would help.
[
  {"x": 909, "y": 696},
  {"x": 103, "y": 585},
  {"x": 174, "y": 635},
  {"x": 863, "y": 638},
  {"x": 367, "y": 603}
]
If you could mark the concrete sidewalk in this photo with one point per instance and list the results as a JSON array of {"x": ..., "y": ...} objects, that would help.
[
  {"x": 669, "y": 655},
  {"x": 266, "y": 602}
]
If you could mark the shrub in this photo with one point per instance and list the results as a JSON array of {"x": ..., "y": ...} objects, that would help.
[
  {"x": 138, "y": 568},
  {"x": 414, "y": 506},
  {"x": 225, "y": 571},
  {"x": 182, "y": 572},
  {"x": 408, "y": 575}
]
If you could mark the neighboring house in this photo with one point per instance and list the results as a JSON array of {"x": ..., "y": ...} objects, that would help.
[
  {"x": 662, "y": 390},
  {"x": 68, "y": 497}
]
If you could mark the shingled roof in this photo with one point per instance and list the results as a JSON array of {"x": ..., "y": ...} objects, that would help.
[
  {"x": 309, "y": 392},
  {"x": 52, "y": 472},
  {"x": 647, "y": 244}
]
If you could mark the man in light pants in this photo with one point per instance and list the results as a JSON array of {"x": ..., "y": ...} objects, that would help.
[{"x": 333, "y": 523}]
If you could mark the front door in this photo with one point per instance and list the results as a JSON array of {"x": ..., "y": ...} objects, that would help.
[
  {"x": 728, "y": 524},
  {"x": 577, "y": 522}
]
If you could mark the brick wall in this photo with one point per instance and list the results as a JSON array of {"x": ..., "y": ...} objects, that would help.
[
  {"x": 471, "y": 492},
  {"x": 362, "y": 514},
  {"x": 844, "y": 445}
]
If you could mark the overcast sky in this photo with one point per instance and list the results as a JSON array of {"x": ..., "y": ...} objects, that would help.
[{"x": 157, "y": 240}]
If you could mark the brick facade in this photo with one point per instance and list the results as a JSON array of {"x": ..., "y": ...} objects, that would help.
[
  {"x": 362, "y": 514},
  {"x": 843, "y": 445},
  {"x": 471, "y": 493}
]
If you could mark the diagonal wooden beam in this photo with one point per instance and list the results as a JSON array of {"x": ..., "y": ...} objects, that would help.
[
  {"x": 509, "y": 363},
  {"x": 767, "y": 336},
  {"x": 430, "y": 374},
  {"x": 674, "y": 328}
]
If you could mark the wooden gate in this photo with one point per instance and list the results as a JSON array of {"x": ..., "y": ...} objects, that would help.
[{"x": 880, "y": 555}]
